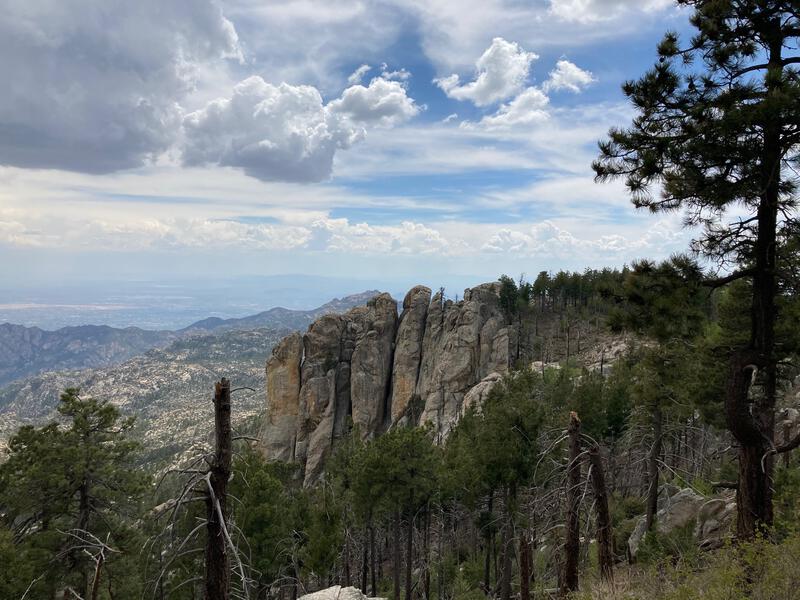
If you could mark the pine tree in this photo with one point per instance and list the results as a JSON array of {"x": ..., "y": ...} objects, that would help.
[
  {"x": 718, "y": 128},
  {"x": 72, "y": 492}
]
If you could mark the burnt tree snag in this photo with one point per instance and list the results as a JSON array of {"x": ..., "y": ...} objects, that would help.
[{"x": 217, "y": 558}]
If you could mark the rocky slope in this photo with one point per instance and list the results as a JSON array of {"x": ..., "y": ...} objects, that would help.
[
  {"x": 378, "y": 369},
  {"x": 168, "y": 390},
  {"x": 28, "y": 351}
]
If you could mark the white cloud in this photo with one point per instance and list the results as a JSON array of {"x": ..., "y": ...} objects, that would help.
[
  {"x": 286, "y": 132},
  {"x": 397, "y": 75},
  {"x": 501, "y": 72},
  {"x": 588, "y": 11},
  {"x": 549, "y": 239},
  {"x": 357, "y": 75},
  {"x": 94, "y": 85},
  {"x": 568, "y": 76},
  {"x": 382, "y": 102},
  {"x": 528, "y": 108}
]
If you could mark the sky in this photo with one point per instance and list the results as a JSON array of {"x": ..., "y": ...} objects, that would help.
[{"x": 400, "y": 140}]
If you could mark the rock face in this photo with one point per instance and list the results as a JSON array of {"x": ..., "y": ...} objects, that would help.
[
  {"x": 408, "y": 350},
  {"x": 336, "y": 592},
  {"x": 463, "y": 343},
  {"x": 712, "y": 517},
  {"x": 378, "y": 370}
]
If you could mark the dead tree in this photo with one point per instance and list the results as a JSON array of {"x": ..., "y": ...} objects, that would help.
[
  {"x": 604, "y": 533},
  {"x": 218, "y": 580},
  {"x": 569, "y": 582},
  {"x": 652, "y": 466},
  {"x": 524, "y": 566}
]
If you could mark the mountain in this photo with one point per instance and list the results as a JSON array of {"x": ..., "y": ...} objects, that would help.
[
  {"x": 168, "y": 389},
  {"x": 28, "y": 351},
  {"x": 282, "y": 317}
]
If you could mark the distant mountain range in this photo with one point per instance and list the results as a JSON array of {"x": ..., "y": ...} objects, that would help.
[
  {"x": 26, "y": 351},
  {"x": 169, "y": 389}
]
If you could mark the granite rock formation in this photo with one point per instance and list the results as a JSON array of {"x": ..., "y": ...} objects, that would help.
[{"x": 376, "y": 370}]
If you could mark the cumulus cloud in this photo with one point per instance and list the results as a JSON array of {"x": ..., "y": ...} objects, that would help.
[
  {"x": 382, "y": 102},
  {"x": 94, "y": 85},
  {"x": 568, "y": 76},
  {"x": 501, "y": 72},
  {"x": 528, "y": 108},
  {"x": 321, "y": 235},
  {"x": 549, "y": 239},
  {"x": 286, "y": 132},
  {"x": 587, "y": 11}
]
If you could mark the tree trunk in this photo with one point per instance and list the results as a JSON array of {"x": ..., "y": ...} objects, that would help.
[
  {"x": 364, "y": 563},
  {"x": 409, "y": 553},
  {"x": 508, "y": 535},
  {"x": 652, "y": 466},
  {"x": 426, "y": 588},
  {"x": 604, "y": 534},
  {"x": 440, "y": 555},
  {"x": 753, "y": 423},
  {"x": 524, "y": 567},
  {"x": 374, "y": 570},
  {"x": 216, "y": 554},
  {"x": 77, "y": 557},
  {"x": 347, "y": 577},
  {"x": 487, "y": 565},
  {"x": 396, "y": 554},
  {"x": 572, "y": 548}
]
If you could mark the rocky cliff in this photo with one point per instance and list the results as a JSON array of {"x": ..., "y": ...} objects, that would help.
[{"x": 376, "y": 369}]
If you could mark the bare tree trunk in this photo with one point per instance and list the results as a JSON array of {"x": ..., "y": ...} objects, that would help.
[
  {"x": 373, "y": 557},
  {"x": 487, "y": 581},
  {"x": 652, "y": 467},
  {"x": 396, "y": 554},
  {"x": 524, "y": 567},
  {"x": 508, "y": 526},
  {"x": 572, "y": 549},
  {"x": 409, "y": 553},
  {"x": 426, "y": 589},
  {"x": 364, "y": 563},
  {"x": 217, "y": 558},
  {"x": 347, "y": 576},
  {"x": 96, "y": 579},
  {"x": 440, "y": 555},
  {"x": 604, "y": 534}
]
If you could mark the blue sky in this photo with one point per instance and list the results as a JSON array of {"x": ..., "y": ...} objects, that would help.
[{"x": 399, "y": 140}]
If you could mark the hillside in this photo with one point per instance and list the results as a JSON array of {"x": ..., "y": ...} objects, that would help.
[
  {"x": 28, "y": 351},
  {"x": 168, "y": 390},
  {"x": 281, "y": 317}
]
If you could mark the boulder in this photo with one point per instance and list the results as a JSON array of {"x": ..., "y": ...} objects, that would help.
[
  {"x": 712, "y": 517},
  {"x": 477, "y": 395},
  {"x": 336, "y": 592}
]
